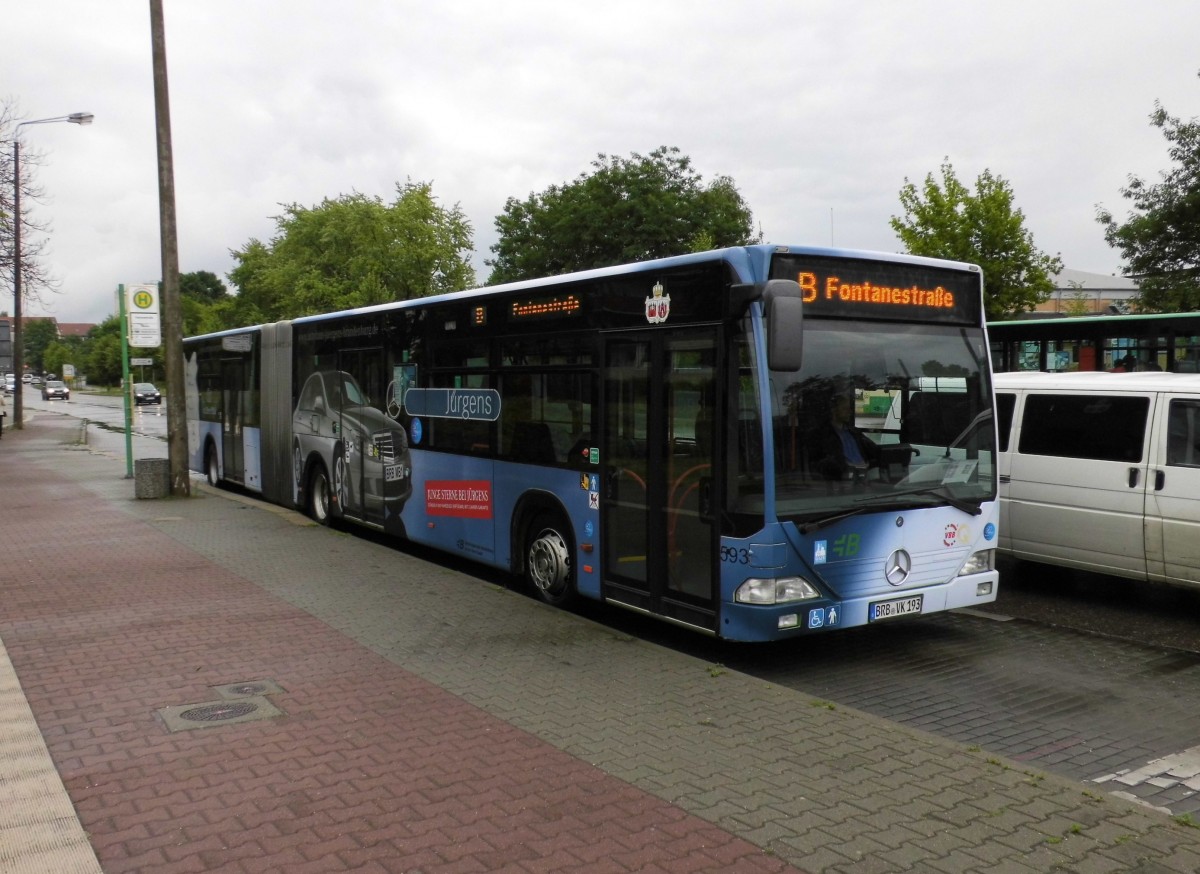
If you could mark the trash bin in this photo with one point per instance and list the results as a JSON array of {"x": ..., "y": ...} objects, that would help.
[{"x": 151, "y": 477}]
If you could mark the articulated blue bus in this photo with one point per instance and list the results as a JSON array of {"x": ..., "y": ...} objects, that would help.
[{"x": 755, "y": 443}]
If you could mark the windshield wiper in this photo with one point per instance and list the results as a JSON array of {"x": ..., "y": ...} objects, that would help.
[
  {"x": 817, "y": 524},
  {"x": 974, "y": 508},
  {"x": 872, "y": 502}
]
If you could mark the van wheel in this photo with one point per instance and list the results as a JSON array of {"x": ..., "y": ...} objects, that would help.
[
  {"x": 548, "y": 566},
  {"x": 319, "y": 496},
  {"x": 212, "y": 470}
]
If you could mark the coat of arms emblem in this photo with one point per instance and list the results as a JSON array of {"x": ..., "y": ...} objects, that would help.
[{"x": 658, "y": 305}]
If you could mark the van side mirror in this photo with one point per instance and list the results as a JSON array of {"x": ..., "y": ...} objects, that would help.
[{"x": 783, "y": 309}]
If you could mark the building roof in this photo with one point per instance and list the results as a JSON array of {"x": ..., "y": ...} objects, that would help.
[
  {"x": 65, "y": 329},
  {"x": 1080, "y": 279}
]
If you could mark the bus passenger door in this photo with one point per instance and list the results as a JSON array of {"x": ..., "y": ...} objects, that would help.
[
  {"x": 658, "y": 453},
  {"x": 233, "y": 381}
]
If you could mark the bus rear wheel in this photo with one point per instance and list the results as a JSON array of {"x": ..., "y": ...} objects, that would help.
[
  {"x": 548, "y": 566},
  {"x": 212, "y": 471}
]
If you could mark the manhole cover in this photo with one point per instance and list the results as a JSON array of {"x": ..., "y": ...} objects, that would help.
[
  {"x": 247, "y": 689},
  {"x": 210, "y": 714},
  {"x": 217, "y": 712}
]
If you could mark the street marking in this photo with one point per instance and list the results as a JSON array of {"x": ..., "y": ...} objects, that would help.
[{"x": 1177, "y": 769}]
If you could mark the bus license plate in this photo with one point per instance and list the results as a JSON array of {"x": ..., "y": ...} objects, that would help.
[
  {"x": 892, "y": 609},
  {"x": 393, "y": 472}
]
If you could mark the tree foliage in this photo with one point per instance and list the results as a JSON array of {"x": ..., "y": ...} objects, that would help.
[
  {"x": 37, "y": 335},
  {"x": 102, "y": 358},
  {"x": 1160, "y": 241},
  {"x": 205, "y": 303},
  {"x": 57, "y": 354},
  {"x": 35, "y": 279},
  {"x": 353, "y": 251},
  {"x": 202, "y": 285},
  {"x": 947, "y": 220},
  {"x": 624, "y": 210}
]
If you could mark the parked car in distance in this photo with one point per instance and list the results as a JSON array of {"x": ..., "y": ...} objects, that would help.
[
  {"x": 10, "y": 384},
  {"x": 56, "y": 388},
  {"x": 145, "y": 393}
]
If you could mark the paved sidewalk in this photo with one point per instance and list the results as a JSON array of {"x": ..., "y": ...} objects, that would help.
[{"x": 222, "y": 686}]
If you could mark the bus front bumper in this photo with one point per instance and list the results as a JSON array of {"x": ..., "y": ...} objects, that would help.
[{"x": 758, "y": 622}]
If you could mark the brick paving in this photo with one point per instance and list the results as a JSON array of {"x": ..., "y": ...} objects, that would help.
[{"x": 431, "y": 722}]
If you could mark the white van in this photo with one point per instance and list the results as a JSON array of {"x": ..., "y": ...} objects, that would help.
[{"x": 1101, "y": 471}]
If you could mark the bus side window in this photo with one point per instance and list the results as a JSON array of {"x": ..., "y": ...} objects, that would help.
[
  {"x": 467, "y": 436},
  {"x": 532, "y": 443}
]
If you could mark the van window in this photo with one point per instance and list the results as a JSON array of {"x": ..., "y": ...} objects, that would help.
[
  {"x": 1183, "y": 434},
  {"x": 1100, "y": 427},
  {"x": 1005, "y": 404}
]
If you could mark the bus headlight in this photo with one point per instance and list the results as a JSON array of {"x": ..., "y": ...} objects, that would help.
[
  {"x": 984, "y": 560},
  {"x": 780, "y": 591}
]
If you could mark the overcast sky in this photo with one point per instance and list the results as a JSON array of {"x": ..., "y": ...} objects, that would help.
[{"x": 818, "y": 110}]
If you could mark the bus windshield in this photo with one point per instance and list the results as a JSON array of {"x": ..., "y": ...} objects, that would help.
[{"x": 894, "y": 417}]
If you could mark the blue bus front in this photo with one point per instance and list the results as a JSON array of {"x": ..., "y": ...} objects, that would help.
[{"x": 865, "y": 481}]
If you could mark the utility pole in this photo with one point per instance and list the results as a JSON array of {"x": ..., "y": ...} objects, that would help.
[{"x": 172, "y": 310}]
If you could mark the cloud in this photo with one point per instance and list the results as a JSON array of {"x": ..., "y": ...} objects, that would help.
[{"x": 818, "y": 111}]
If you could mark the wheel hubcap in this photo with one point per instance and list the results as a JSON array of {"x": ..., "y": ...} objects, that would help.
[{"x": 549, "y": 562}]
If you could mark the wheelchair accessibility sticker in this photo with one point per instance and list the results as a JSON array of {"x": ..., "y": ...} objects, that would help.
[{"x": 824, "y": 617}]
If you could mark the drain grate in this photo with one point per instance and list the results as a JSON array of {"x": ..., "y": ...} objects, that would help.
[{"x": 219, "y": 712}]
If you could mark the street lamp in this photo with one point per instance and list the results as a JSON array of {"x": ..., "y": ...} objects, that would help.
[{"x": 17, "y": 331}]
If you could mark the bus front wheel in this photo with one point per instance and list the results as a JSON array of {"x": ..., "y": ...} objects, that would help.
[{"x": 548, "y": 566}]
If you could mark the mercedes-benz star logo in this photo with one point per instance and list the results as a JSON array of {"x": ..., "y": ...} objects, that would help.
[{"x": 897, "y": 567}]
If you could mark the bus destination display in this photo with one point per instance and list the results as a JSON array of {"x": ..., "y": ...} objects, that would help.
[{"x": 881, "y": 290}]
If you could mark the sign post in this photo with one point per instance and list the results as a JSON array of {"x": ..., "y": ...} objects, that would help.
[{"x": 142, "y": 329}]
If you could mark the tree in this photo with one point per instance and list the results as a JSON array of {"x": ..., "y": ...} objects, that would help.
[
  {"x": 56, "y": 355},
  {"x": 1161, "y": 238},
  {"x": 202, "y": 285},
  {"x": 351, "y": 252},
  {"x": 102, "y": 362},
  {"x": 626, "y": 209},
  {"x": 947, "y": 220},
  {"x": 1078, "y": 305},
  {"x": 38, "y": 335},
  {"x": 204, "y": 300},
  {"x": 34, "y": 278}
]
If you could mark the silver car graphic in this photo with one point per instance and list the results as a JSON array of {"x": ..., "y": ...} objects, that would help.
[{"x": 348, "y": 457}]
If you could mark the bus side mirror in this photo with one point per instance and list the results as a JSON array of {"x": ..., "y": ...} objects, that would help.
[{"x": 783, "y": 310}]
